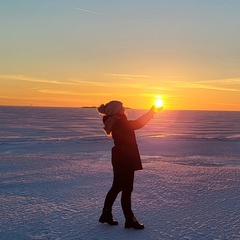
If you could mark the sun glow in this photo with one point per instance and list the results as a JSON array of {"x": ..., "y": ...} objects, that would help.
[{"x": 158, "y": 102}]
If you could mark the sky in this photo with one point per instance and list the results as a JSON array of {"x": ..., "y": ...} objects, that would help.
[{"x": 75, "y": 53}]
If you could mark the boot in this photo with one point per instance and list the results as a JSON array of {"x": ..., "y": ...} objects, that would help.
[
  {"x": 132, "y": 222},
  {"x": 107, "y": 217}
]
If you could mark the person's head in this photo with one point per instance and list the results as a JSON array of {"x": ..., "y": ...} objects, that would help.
[{"x": 111, "y": 108}]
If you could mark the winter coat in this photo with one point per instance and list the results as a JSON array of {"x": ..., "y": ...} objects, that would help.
[{"x": 125, "y": 153}]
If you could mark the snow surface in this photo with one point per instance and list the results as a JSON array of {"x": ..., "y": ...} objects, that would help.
[
  {"x": 55, "y": 171},
  {"x": 59, "y": 195}
]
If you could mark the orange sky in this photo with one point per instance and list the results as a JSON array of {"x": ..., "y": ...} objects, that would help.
[{"x": 71, "y": 56}]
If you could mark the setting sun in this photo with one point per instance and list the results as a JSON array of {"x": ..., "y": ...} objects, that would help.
[
  {"x": 131, "y": 57},
  {"x": 158, "y": 102}
]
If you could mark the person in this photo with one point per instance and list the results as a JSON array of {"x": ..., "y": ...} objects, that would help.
[{"x": 125, "y": 159}]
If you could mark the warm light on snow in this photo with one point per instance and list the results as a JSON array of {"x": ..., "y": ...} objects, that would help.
[{"x": 56, "y": 168}]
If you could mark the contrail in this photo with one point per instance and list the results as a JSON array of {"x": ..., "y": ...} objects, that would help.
[
  {"x": 92, "y": 12},
  {"x": 104, "y": 15}
]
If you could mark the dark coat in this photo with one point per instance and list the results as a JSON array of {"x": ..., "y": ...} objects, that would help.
[{"x": 125, "y": 153}]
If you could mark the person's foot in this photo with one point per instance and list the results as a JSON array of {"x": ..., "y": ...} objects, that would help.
[
  {"x": 107, "y": 217},
  {"x": 133, "y": 223}
]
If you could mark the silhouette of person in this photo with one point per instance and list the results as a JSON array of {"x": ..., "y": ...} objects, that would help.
[{"x": 125, "y": 159}]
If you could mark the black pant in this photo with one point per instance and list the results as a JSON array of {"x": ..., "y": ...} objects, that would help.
[{"x": 121, "y": 182}]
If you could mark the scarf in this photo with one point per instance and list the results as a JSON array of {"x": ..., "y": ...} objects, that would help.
[{"x": 109, "y": 124}]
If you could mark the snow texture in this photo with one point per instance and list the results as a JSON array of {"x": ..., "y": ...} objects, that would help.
[{"x": 55, "y": 188}]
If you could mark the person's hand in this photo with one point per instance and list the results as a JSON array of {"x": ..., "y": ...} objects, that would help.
[{"x": 155, "y": 109}]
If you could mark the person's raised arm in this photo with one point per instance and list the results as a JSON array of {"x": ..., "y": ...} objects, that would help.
[{"x": 143, "y": 120}]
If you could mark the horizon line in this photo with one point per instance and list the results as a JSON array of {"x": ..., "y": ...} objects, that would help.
[{"x": 128, "y": 108}]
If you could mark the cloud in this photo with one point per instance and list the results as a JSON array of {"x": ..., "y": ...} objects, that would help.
[
  {"x": 31, "y": 79},
  {"x": 127, "y": 76},
  {"x": 69, "y": 81},
  {"x": 108, "y": 84},
  {"x": 222, "y": 81},
  {"x": 94, "y": 83},
  {"x": 50, "y": 91},
  {"x": 56, "y": 92},
  {"x": 80, "y": 81},
  {"x": 202, "y": 86},
  {"x": 218, "y": 84},
  {"x": 232, "y": 59},
  {"x": 76, "y": 82},
  {"x": 40, "y": 80}
]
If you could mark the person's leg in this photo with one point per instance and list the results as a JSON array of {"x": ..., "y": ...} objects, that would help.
[
  {"x": 127, "y": 188},
  {"x": 113, "y": 192},
  {"x": 109, "y": 201}
]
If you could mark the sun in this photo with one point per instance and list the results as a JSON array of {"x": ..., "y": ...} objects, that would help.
[{"x": 158, "y": 102}]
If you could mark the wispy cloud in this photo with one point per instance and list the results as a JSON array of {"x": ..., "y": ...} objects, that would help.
[
  {"x": 141, "y": 81},
  {"x": 218, "y": 84},
  {"x": 222, "y": 81},
  {"x": 202, "y": 86},
  {"x": 128, "y": 76},
  {"x": 80, "y": 81},
  {"x": 231, "y": 59},
  {"x": 92, "y": 83},
  {"x": 50, "y": 91},
  {"x": 111, "y": 84},
  {"x": 76, "y": 82},
  {"x": 31, "y": 79},
  {"x": 41, "y": 80}
]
